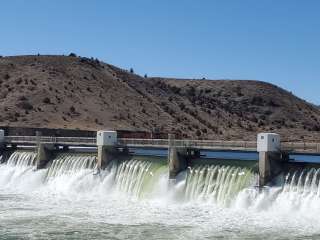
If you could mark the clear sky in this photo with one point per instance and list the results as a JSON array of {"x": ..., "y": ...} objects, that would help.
[{"x": 277, "y": 41}]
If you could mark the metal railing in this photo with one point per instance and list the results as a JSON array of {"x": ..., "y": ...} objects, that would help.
[
  {"x": 50, "y": 140},
  {"x": 164, "y": 143},
  {"x": 203, "y": 144},
  {"x": 300, "y": 147}
]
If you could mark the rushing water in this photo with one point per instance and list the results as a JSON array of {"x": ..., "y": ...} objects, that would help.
[
  {"x": 67, "y": 164},
  {"x": 217, "y": 184},
  {"x": 131, "y": 200},
  {"x": 137, "y": 178},
  {"x": 19, "y": 159}
]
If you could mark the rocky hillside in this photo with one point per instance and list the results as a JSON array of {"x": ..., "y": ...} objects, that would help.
[{"x": 81, "y": 93}]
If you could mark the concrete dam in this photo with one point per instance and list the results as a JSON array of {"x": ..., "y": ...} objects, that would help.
[{"x": 177, "y": 182}]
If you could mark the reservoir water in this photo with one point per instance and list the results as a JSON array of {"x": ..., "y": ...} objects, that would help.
[{"x": 132, "y": 200}]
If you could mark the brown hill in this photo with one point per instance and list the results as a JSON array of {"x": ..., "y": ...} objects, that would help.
[{"x": 81, "y": 93}]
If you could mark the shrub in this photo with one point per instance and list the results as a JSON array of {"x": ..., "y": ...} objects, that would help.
[
  {"x": 316, "y": 128},
  {"x": 72, "y": 109},
  {"x": 239, "y": 94},
  {"x": 207, "y": 90},
  {"x": 72, "y": 55},
  {"x": 198, "y": 133},
  {"x": 271, "y": 103},
  {"x": 257, "y": 100},
  {"x": 175, "y": 89},
  {"x": 46, "y": 100},
  {"x": 191, "y": 91},
  {"x": 268, "y": 112},
  {"x": 22, "y": 98},
  {"x": 18, "y": 81},
  {"x": 25, "y": 105},
  {"x": 6, "y": 76},
  {"x": 182, "y": 106}
]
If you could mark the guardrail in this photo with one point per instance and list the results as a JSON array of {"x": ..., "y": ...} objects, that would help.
[
  {"x": 164, "y": 143},
  {"x": 300, "y": 147},
  {"x": 50, "y": 140},
  {"x": 202, "y": 144}
]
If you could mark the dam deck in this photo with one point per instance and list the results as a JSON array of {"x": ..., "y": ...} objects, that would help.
[
  {"x": 274, "y": 155},
  {"x": 294, "y": 147}
]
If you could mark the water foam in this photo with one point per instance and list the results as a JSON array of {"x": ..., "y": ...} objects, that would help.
[
  {"x": 136, "y": 177},
  {"x": 300, "y": 193},
  {"x": 18, "y": 172},
  {"x": 76, "y": 203},
  {"x": 20, "y": 159},
  {"x": 66, "y": 164},
  {"x": 218, "y": 184}
]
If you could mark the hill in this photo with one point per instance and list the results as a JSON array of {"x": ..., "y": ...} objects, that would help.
[{"x": 80, "y": 93}]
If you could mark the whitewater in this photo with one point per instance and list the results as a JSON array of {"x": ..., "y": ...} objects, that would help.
[{"x": 133, "y": 200}]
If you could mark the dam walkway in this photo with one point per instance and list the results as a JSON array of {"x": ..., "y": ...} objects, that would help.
[
  {"x": 294, "y": 147},
  {"x": 274, "y": 155}
]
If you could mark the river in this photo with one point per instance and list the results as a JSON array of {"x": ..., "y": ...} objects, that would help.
[{"x": 132, "y": 200}]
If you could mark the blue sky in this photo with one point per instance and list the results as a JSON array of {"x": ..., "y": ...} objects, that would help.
[{"x": 277, "y": 41}]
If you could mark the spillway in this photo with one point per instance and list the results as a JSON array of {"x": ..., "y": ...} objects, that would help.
[
  {"x": 217, "y": 184},
  {"x": 131, "y": 199},
  {"x": 303, "y": 182},
  {"x": 136, "y": 178},
  {"x": 65, "y": 164},
  {"x": 21, "y": 159}
]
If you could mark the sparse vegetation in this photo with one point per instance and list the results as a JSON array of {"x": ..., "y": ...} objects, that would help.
[{"x": 77, "y": 93}]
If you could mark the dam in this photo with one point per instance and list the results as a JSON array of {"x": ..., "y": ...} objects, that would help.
[{"x": 90, "y": 187}]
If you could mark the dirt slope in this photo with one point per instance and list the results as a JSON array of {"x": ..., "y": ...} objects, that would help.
[{"x": 82, "y": 93}]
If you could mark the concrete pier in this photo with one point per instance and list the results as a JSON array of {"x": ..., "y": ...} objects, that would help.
[
  {"x": 270, "y": 158},
  {"x": 107, "y": 151},
  {"x": 106, "y": 154},
  {"x": 44, "y": 154},
  {"x": 178, "y": 157},
  {"x": 2, "y": 144}
]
